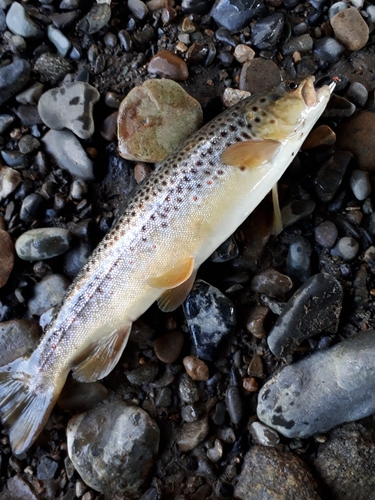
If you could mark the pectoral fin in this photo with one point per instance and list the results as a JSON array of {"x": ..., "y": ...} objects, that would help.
[
  {"x": 250, "y": 154},
  {"x": 175, "y": 276},
  {"x": 277, "y": 224},
  {"x": 102, "y": 357},
  {"x": 174, "y": 297}
]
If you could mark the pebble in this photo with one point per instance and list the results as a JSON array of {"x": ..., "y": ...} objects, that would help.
[
  {"x": 52, "y": 67},
  {"x": 265, "y": 33},
  {"x": 31, "y": 95},
  {"x": 231, "y": 96},
  {"x": 268, "y": 472},
  {"x": 108, "y": 130},
  {"x": 258, "y": 75},
  {"x": 357, "y": 94},
  {"x": 339, "y": 107},
  {"x": 138, "y": 9},
  {"x": 13, "y": 77},
  {"x": 250, "y": 384},
  {"x": 70, "y": 106},
  {"x": 10, "y": 179},
  {"x": 19, "y": 488},
  {"x": 326, "y": 234},
  {"x": 151, "y": 134},
  {"x": 346, "y": 248},
  {"x": 227, "y": 251},
  {"x": 28, "y": 144},
  {"x": 17, "y": 338},
  {"x": 352, "y": 135},
  {"x": 190, "y": 434},
  {"x": 302, "y": 44},
  {"x": 113, "y": 447},
  {"x": 328, "y": 388},
  {"x": 59, "y": 40},
  {"x": 190, "y": 414},
  {"x": 255, "y": 321},
  {"x": 215, "y": 453},
  {"x": 195, "y": 6},
  {"x": 224, "y": 35},
  {"x": 46, "y": 468},
  {"x": 49, "y": 292},
  {"x": 168, "y": 65},
  {"x": 68, "y": 153},
  {"x": 350, "y": 29},
  {"x": 28, "y": 115},
  {"x": 188, "y": 390},
  {"x": 80, "y": 397},
  {"x": 296, "y": 210},
  {"x": 298, "y": 259},
  {"x": 243, "y": 53},
  {"x": 6, "y": 121},
  {"x": 96, "y": 19},
  {"x": 144, "y": 374},
  {"x": 42, "y": 243},
  {"x": 20, "y": 23},
  {"x": 235, "y": 404},
  {"x": 331, "y": 174},
  {"x": 234, "y": 14},
  {"x": 320, "y": 136},
  {"x": 15, "y": 159},
  {"x": 210, "y": 317},
  {"x": 169, "y": 346},
  {"x": 263, "y": 435},
  {"x": 6, "y": 256},
  {"x": 328, "y": 49},
  {"x": 196, "y": 368},
  {"x": 255, "y": 367},
  {"x": 272, "y": 283},
  {"x": 314, "y": 308},
  {"x": 32, "y": 207},
  {"x": 336, "y": 8},
  {"x": 360, "y": 184}
]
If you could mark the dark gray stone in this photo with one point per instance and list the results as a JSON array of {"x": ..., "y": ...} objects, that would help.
[
  {"x": 235, "y": 14},
  {"x": 330, "y": 175},
  {"x": 47, "y": 293},
  {"x": 32, "y": 207},
  {"x": 360, "y": 184},
  {"x": 226, "y": 251},
  {"x": 235, "y": 404},
  {"x": 13, "y": 78},
  {"x": 96, "y": 19},
  {"x": 298, "y": 260},
  {"x": 357, "y": 94},
  {"x": 328, "y": 49},
  {"x": 42, "y": 243},
  {"x": 302, "y": 44},
  {"x": 46, "y": 468},
  {"x": 52, "y": 67},
  {"x": 6, "y": 121},
  {"x": 265, "y": 33}
]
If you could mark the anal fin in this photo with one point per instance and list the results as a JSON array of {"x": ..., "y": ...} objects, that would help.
[
  {"x": 175, "y": 276},
  {"x": 174, "y": 297},
  {"x": 277, "y": 224},
  {"x": 102, "y": 357}
]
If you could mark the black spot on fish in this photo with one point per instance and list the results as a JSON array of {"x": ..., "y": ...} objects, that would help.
[
  {"x": 262, "y": 99},
  {"x": 74, "y": 101},
  {"x": 257, "y": 120},
  {"x": 223, "y": 133},
  {"x": 255, "y": 109},
  {"x": 245, "y": 135},
  {"x": 232, "y": 127}
]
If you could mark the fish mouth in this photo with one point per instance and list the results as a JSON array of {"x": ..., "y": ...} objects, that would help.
[{"x": 324, "y": 88}]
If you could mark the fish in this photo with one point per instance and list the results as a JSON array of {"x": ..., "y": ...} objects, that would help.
[{"x": 171, "y": 224}]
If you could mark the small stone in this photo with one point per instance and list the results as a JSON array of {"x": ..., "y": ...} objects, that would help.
[
  {"x": 15, "y": 159},
  {"x": 360, "y": 184},
  {"x": 168, "y": 65},
  {"x": 255, "y": 321},
  {"x": 17, "y": 338},
  {"x": 326, "y": 234},
  {"x": 79, "y": 397},
  {"x": 328, "y": 388},
  {"x": 46, "y": 468},
  {"x": 152, "y": 134},
  {"x": 243, "y": 53},
  {"x": 302, "y": 44},
  {"x": 350, "y": 29},
  {"x": 346, "y": 248},
  {"x": 258, "y": 75},
  {"x": 336, "y": 8},
  {"x": 263, "y": 435},
  {"x": 188, "y": 390},
  {"x": 31, "y": 95},
  {"x": 141, "y": 171},
  {"x": 314, "y": 308},
  {"x": 196, "y": 368},
  {"x": 13, "y": 77},
  {"x": 338, "y": 107},
  {"x": 272, "y": 283},
  {"x": 6, "y": 121},
  {"x": 96, "y": 19},
  {"x": 215, "y": 453},
  {"x": 298, "y": 259},
  {"x": 357, "y": 94},
  {"x": 235, "y": 404},
  {"x": 6, "y": 256},
  {"x": 265, "y": 33},
  {"x": 28, "y": 144},
  {"x": 250, "y": 384},
  {"x": 191, "y": 434},
  {"x": 168, "y": 347},
  {"x": 59, "y": 40},
  {"x": 52, "y": 67},
  {"x": 138, "y": 9},
  {"x": 17, "y": 487},
  {"x": 320, "y": 136},
  {"x": 190, "y": 414},
  {"x": 328, "y": 49},
  {"x": 32, "y": 207},
  {"x": 164, "y": 398},
  {"x": 331, "y": 174},
  {"x": 108, "y": 130},
  {"x": 256, "y": 367},
  {"x": 227, "y": 251},
  {"x": 233, "y": 96},
  {"x": 20, "y": 23},
  {"x": 42, "y": 243},
  {"x": 9, "y": 180},
  {"x": 235, "y": 14},
  {"x": 144, "y": 374},
  {"x": 47, "y": 293},
  {"x": 210, "y": 317},
  {"x": 113, "y": 447}
]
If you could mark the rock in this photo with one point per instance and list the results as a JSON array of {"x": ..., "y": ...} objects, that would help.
[
  {"x": 108, "y": 130},
  {"x": 144, "y": 374},
  {"x": 196, "y": 368},
  {"x": 68, "y": 153},
  {"x": 59, "y": 40},
  {"x": 320, "y": 136},
  {"x": 32, "y": 207},
  {"x": 227, "y": 251},
  {"x": 19, "y": 488},
  {"x": 168, "y": 347},
  {"x": 70, "y": 106},
  {"x": 191, "y": 434},
  {"x": 6, "y": 256},
  {"x": 250, "y": 384},
  {"x": 336, "y": 8},
  {"x": 235, "y": 14},
  {"x": 190, "y": 414},
  {"x": 28, "y": 144},
  {"x": 346, "y": 248},
  {"x": 215, "y": 453},
  {"x": 350, "y": 29},
  {"x": 328, "y": 49},
  {"x": 46, "y": 468},
  {"x": 343, "y": 463},
  {"x": 9, "y": 180},
  {"x": 235, "y": 404},
  {"x": 13, "y": 77},
  {"x": 47, "y": 293},
  {"x": 331, "y": 174},
  {"x": 338, "y": 107},
  {"x": 231, "y": 96},
  {"x": 263, "y": 435},
  {"x": 80, "y": 397},
  {"x": 357, "y": 94},
  {"x": 338, "y": 386},
  {"x": 15, "y": 159},
  {"x": 151, "y": 134},
  {"x": 188, "y": 390},
  {"x": 164, "y": 398},
  {"x": 195, "y": 6},
  {"x": 42, "y": 243},
  {"x": 255, "y": 321},
  {"x": 210, "y": 317},
  {"x": 272, "y": 473},
  {"x": 256, "y": 367},
  {"x": 243, "y": 53},
  {"x": 272, "y": 283},
  {"x": 168, "y": 65},
  {"x": 6, "y": 121},
  {"x": 360, "y": 184},
  {"x": 258, "y": 75},
  {"x": 52, "y": 68},
  {"x": 326, "y": 234},
  {"x": 298, "y": 260},
  {"x": 96, "y": 19},
  {"x": 265, "y": 33},
  {"x": 138, "y": 9},
  {"x": 302, "y": 44},
  {"x": 113, "y": 447},
  {"x": 20, "y": 23},
  {"x": 31, "y": 95},
  {"x": 17, "y": 338},
  {"x": 314, "y": 308}
]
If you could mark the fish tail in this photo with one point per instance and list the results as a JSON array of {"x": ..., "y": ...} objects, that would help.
[{"x": 25, "y": 402}]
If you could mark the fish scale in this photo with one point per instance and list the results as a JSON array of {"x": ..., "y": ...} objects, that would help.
[{"x": 172, "y": 223}]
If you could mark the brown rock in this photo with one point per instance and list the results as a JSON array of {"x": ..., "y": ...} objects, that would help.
[
  {"x": 168, "y": 347},
  {"x": 258, "y": 75},
  {"x": 168, "y": 65},
  {"x": 256, "y": 366},
  {"x": 250, "y": 384},
  {"x": 196, "y": 368},
  {"x": 191, "y": 434},
  {"x": 272, "y": 283},
  {"x": 109, "y": 127},
  {"x": 255, "y": 321},
  {"x": 354, "y": 135},
  {"x": 6, "y": 256},
  {"x": 350, "y": 29},
  {"x": 320, "y": 136}
]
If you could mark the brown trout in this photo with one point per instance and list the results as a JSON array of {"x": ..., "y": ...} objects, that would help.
[{"x": 172, "y": 223}]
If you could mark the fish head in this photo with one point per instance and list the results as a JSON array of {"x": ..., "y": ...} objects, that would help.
[{"x": 288, "y": 110}]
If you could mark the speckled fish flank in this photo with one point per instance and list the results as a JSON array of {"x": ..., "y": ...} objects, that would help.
[{"x": 172, "y": 223}]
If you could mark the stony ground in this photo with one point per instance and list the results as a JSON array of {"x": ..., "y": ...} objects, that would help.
[{"x": 199, "y": 397}]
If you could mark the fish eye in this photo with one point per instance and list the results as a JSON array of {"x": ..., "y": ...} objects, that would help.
[{"x": 293, "y": 85}]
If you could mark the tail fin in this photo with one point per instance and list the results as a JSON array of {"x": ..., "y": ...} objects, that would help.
[{"x": 25, "y": 402}]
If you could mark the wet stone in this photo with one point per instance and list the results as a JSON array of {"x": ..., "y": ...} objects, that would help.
[
  {"x": 226, "y": 251},
  {"x": 324, "y": 390},
  {"x": 43, "y": 243},
  {"x": 278, "y": 474},
  {"x": 336, "y": 8},
  {"x": 28, "y": 144},
  {"x": 31, "y": 95},
  {"x": 32, "y": 207},
  {"x": 326, "y": 234},
  {"x": 168, "y": 65},
  {"x": 258, "y": 75},
  {"x": 168, "y": 347},
  {"x": 70, "y": 106},
  {"x": 350, "y": 29},
  {"x": 17, "y": 337},
  {"x": 195, "y": 6},
  {"x": 96, "y": 19},
  {"x": 263, "y": 435},
  {"x": 314, "y": 308},
  {"x": 233, "y": 96},
  {"x": 339, "y": 107},
  {"x": 52, "y": 67},
  {"x": 210, "y": 317},
  {"x": 46, "y": 468},
  {"x": 164, "y": 397},
  {"x": 235, "y": 14},
  {"x": 330, "y": 175},
  {"x": 59, "y": 40},
  {"x": 191, "y": 434},
  {"x": 272, "y": 283},
  {"x": 215, "y": 453},
  {"x": 265, "y": 33},
  {"x": 250, "y": 384},
  {"x": 360, "y": 184},
  {"x": 15, "y": 159},
  {"x": 320, "y": 136},
  {"x": 328, "y": 49},
  {"x": 13, "y": 77},
  {"x": 6, "y": 256},
  {"x": 145, "y": 374},
  {"x": 19, "y": 488},
  {"x": 302, "y": 44},
  {"x": 138, "y": 9},
  {"x": 6, "y": 121},
  {"x": 357, "y": 94},
  {"x": 151, "y": 134},
  {"x": 79, "y": 397},
  {"x": 255, "y": 321},
  {"x": 188, "y": 390},
  {"x": 20, "y": 23},
  {"x": 298, "y": 259},
  {"x": 108, "y": 130},
  {"x": 190, "y": 414},
  {"x": 128, "y": 440},
  {"x": 346, "y": 248},
  {"x": 9, "y": 180},
  {"x": 235, "y": 404},
  {"x": 256, "y": 368},
  {"x": 243, "y": 53},
  {"x": 196, "y": 368},
  {"x": 68, "y": 153},
  {"x": 47, "y": 293}
]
